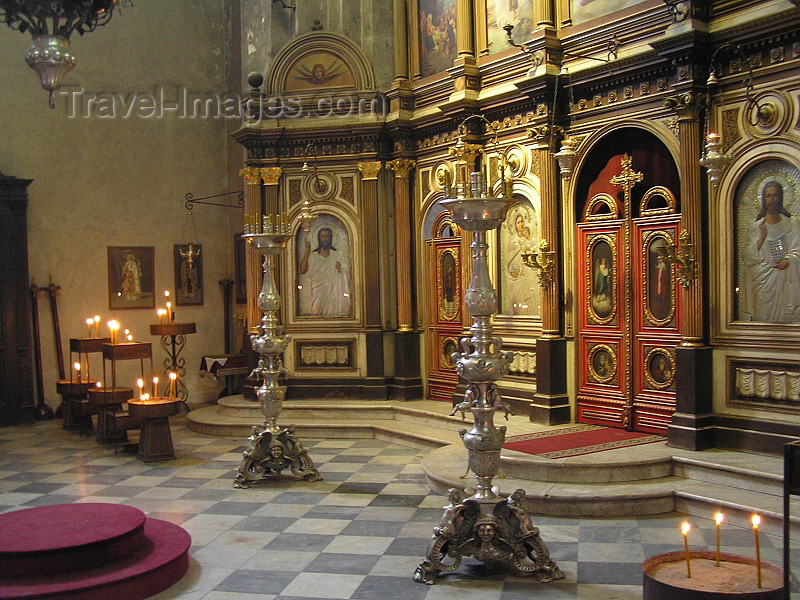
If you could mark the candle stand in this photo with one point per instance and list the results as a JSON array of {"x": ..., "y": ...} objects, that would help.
[
  {"x": 273, "y": 449},
  {"x": 155, "y": 437},
  {"x": 74, "y": 391},
  {"x": 493, "y": 529},
  {"x": 173, "y": 339}
]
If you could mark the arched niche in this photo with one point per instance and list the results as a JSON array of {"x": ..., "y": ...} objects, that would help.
[
  {"x": 320, "y": 60},
  {"x": 650, "y": 156}
]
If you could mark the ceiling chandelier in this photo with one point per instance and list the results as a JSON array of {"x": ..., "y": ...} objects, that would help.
[{"x": 51, "y": 23}]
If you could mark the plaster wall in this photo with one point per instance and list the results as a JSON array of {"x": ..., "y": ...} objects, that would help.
[
  {"x": 119, "y": 180},
  {"x": 267, "y": 28}
]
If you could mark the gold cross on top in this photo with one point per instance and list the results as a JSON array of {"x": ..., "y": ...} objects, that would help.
[{"x": 627, "y": 178}]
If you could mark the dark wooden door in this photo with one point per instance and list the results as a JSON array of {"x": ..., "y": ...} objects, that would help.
[{"x": 17, "y": 403}]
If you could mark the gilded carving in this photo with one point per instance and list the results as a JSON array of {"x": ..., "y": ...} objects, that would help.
[
  {"x": 401, "y": 167},
  {"x": 730, "y": 128},
  {"x": 687, "y": 104},
  {"x": 251, "y": 175},
  {"x": 657, "y": 191},
  {"x": 449, "y": 345},
  {"x": 270, "y": 175},
  {"x": 369, "y": 170},
  {"x": 348, "y": 192}
]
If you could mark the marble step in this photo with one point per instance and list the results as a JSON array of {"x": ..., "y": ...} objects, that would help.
[
  {"x": 446, "y": 467},
  {"x": 714, "y": 471}
]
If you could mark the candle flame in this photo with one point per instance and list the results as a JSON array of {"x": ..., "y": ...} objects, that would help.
[
  {"x": 77, "y": 366},
  {"x": 173, "y": 376},
  {"x": 130, "y": 338},
  {"x": 155, "y": 380},
  {"x": 718, "y": 518},
  {"x": 90, "y": 321},
  {"x": 99, "y": 384},
  {"x": 97, "y": 318},
  {"x": 140, "y": 382},
  {"x": 113, "y": 325},
  {"x": 685, "y": 528},
  {"x": 756, "y": 521},
  {"x": 166, "y": 293}
]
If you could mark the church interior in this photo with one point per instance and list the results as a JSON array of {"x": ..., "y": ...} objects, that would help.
[{"x": 583, "y": 214}]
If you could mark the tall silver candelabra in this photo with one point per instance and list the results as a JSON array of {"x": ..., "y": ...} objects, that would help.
[
  {"x": 275, "y": 448},
  {"x": 493, "y": 529}
]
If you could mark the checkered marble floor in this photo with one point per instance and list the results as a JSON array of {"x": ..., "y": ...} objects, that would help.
[{"x": 358, "y": 534}]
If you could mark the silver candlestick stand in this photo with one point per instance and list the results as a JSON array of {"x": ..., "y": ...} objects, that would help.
[
  {"x": 275, "y": 448},
  {"x": 495, "y": 530}
]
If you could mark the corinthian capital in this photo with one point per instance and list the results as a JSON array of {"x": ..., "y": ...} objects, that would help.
[
  {"x": 251, "y": 175},
  {"x": 401, "y": 167},
  {"x": 369, "y": 170},
  {"x": 688, "y": 104}
]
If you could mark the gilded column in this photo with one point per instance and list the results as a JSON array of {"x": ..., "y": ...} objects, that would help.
[
  {"x": 692, "y": 421},
  {"x": 402, "y": 232},
  {"x": 543, "y": 13},
  {"x": 688, "y": 106},
  {"x": 548, "y": 189},
  {"x": 371, "y": 227},
  {"x": 271, "y": 177},
  {"x": 253, "y": 210},
  {"x": 550, "y": 404},
  {"x": 400, "y": 40},
  {"x": 464, "y": 38},
  {"x": 372, "y": 302}
]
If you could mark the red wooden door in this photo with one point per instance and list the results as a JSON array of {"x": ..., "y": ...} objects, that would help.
[
  {"x": 445, "y": 307},
  {"x": 628, "y": 315}
]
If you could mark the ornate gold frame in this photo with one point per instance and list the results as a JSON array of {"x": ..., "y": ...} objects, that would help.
[
  {"x": 445, "y": 364},
  {"x": 456, "y": 316},
  {"x": 654, "y": 191},
  {"x": 590, "y": 363},
  {"x": 592, "y": 240},
  {"x": 652, "y": 383},
  {"x": 605, "y": 199},
  {"x": 647, "y": 240}
]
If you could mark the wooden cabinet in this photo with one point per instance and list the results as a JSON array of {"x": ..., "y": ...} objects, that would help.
[{"x": 17, "y": 403}]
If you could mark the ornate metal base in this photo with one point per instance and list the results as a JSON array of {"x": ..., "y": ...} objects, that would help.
[
  {"x": 497, "y": 532},
  {"x": 270, "y": 453}
]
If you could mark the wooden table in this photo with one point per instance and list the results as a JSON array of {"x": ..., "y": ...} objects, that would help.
[
  {"x": 155, "y": 437},
  {"x": 108, "y": 402}
]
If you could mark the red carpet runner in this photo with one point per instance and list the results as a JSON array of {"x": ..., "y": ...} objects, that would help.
[{"x": 577, "y": 440}]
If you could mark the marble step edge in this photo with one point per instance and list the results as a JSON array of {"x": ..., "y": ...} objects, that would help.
[
  {"x": 714, "y": 472},
  {"x": 738, "y": 511},
  {"x": 234, "y": 405},
  {"x": 385, "y": 430}
]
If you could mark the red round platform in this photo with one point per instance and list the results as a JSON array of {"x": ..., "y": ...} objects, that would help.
[{"x": 89, "y": 551}]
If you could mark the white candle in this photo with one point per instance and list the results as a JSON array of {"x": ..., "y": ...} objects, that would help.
[
  {"x": 140, "y": 384},
  {"x": 173, "y": 381},
  {"x": 155, "y": 386},
  {"x": 756, "y": 522},
  {"x": 718, "y": 519},
  {"x": 90, "y": 325},
  {"x": 97, "y": 325},
  {"x": 685, "y": 531}
]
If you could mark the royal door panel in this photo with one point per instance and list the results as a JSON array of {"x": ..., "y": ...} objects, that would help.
[
  {"x": 603, "y": 364},
  {"x": 656, "y": 328},
  {"x": 445, "y": 311}
]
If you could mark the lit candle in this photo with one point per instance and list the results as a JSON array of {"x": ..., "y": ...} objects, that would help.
[
  {"x": 98, "y": 385},
  {"x": 97, "y": 326},
  {"x": 169, "y": 312},
  {"x": 173, "y": 380},
  {"x": 685, "y": 531},
  {"x": 718, "y": 520},
  {"x": 130, "y": 337},
  {"x": 140, "y": 384},
  {"x": 155, "y": 386},
  {"x": 161, "y": 314},
  {"x": 113, "y": 327},
  {"x": 90, "y": 325},
  {"x": 756, "y": 522},
  {"x": 77, "y": 367}
]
